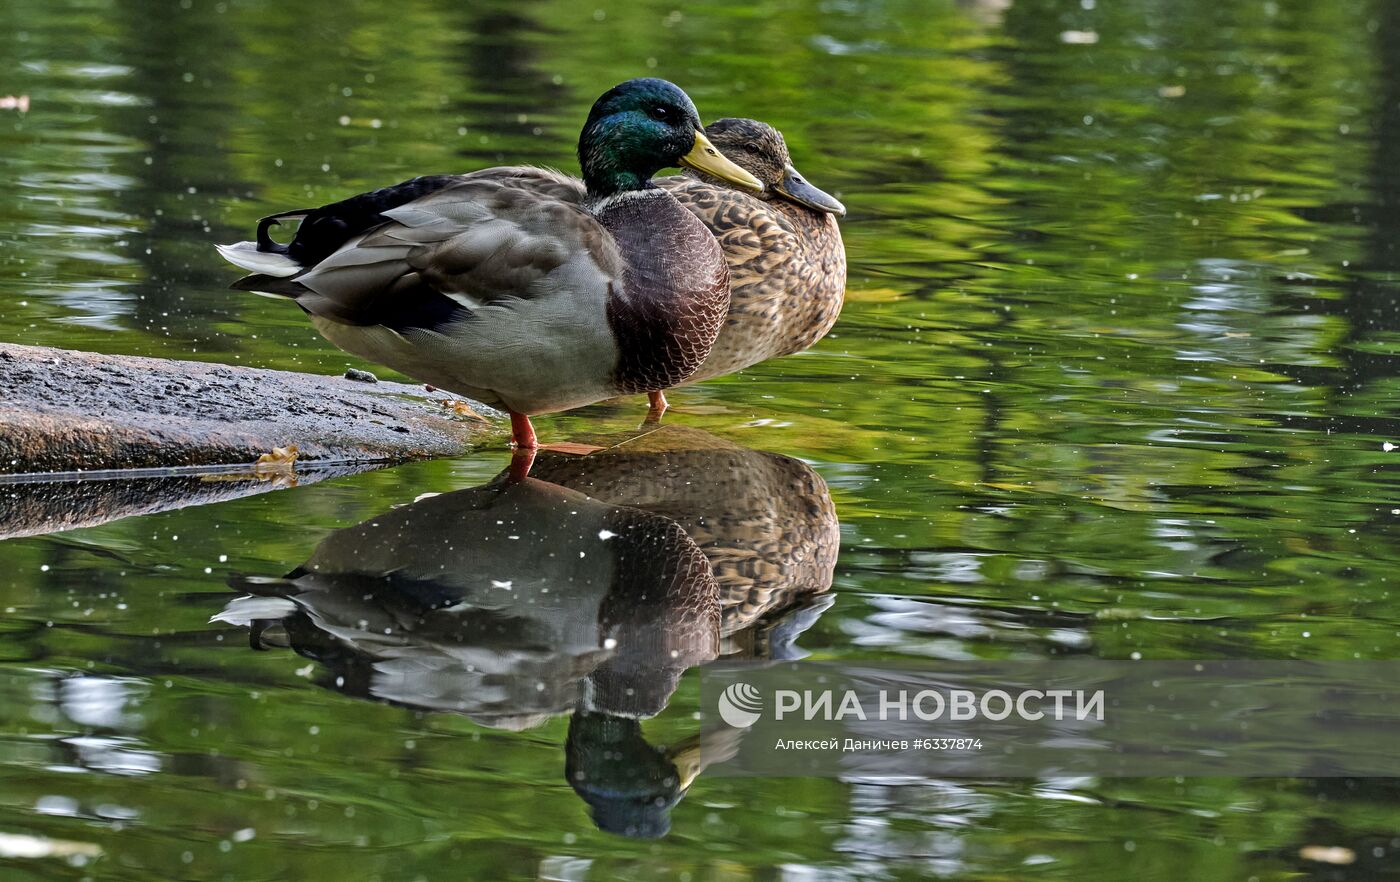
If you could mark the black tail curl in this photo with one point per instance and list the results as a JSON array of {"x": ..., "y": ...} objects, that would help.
[{"x": 265, "y": 242}]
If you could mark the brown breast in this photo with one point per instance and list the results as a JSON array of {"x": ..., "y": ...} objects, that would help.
[
  {"x": 674, "y": 293},
  {"x": 818, "y": 286}
]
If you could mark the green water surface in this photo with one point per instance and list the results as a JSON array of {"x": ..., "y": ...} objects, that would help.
[{"x": 1119, "y": 356}]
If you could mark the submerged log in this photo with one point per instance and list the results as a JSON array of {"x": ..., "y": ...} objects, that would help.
[{"x": 67, "y": 411}]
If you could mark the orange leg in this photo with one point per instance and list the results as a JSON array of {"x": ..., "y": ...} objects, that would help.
[
  {"x": 658, "y": 406},
  {"x": 521, "y": 432},
  {"x": 520, "y": 461}
]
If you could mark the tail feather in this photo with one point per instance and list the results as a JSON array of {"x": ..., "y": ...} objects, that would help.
[
  {"x": 247, "y": 255},
  {"x": 263, "y": 283}
]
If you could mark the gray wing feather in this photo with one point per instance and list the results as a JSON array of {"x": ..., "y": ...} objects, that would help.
[{"x": 497, "y": 234}]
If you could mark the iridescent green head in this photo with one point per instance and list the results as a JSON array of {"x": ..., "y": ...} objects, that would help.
[{"x": 644, "y": 125}]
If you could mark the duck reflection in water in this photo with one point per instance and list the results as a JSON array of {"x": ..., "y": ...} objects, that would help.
[{"x": 588, "y": 588}]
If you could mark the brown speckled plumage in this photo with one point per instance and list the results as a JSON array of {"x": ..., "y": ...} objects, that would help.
[
  {"x": 787, "y": 263},
  {"x": 765, "y": 521}
]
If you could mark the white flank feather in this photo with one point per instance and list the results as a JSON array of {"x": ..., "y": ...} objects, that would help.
[{"x": 245, "y": 255}]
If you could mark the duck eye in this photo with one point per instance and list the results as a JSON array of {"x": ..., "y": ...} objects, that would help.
[
  {"x": 752, "y": 149},
  {"x": 661, "y": 114}
]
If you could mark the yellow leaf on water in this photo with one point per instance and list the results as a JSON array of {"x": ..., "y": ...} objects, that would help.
[{"x": 571, "y": 448}]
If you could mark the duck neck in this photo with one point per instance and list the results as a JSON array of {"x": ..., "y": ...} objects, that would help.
[
  {"x": 614, "y": 161},
  {"x": 616, "y": 182}
]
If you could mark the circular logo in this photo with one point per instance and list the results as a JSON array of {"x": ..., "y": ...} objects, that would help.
[{"x": 740, "y": 705}]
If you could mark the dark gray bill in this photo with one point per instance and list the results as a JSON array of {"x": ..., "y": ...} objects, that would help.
[{"x": 796, "y": 188}]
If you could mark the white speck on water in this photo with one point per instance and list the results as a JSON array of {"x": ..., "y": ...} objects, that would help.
[
  {"x": 1079, "y": 38},
  {"x": 223, "y": 558},
  {"x": 605, "y": 535},
  {"x": 610, "y": 643},
  {"x": 19, "y": 845},
  {"x": 57, "y": 805},
  {"x": 43, "y": 568},
  {"x": 506, "y": 584},
  {"x": 1387, "y": 446},
  {"x": 306, "y": 671}
]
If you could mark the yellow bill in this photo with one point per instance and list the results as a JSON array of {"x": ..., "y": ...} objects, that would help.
[{"x": 705, "y": 157}]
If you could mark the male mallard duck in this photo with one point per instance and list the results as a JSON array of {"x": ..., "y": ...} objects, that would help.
[
  {"x": 522, "y": 287},
  {"x": 510, "y": 602},
  {"x": 787, "y": 266},
  {"x": 630, "y": 783}
]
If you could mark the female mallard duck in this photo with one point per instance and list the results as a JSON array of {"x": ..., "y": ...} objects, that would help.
[
  {"x": 787, "y": 265},
  {"x": 766, "y": 523},
  {"x": 522, "y": 287}
]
